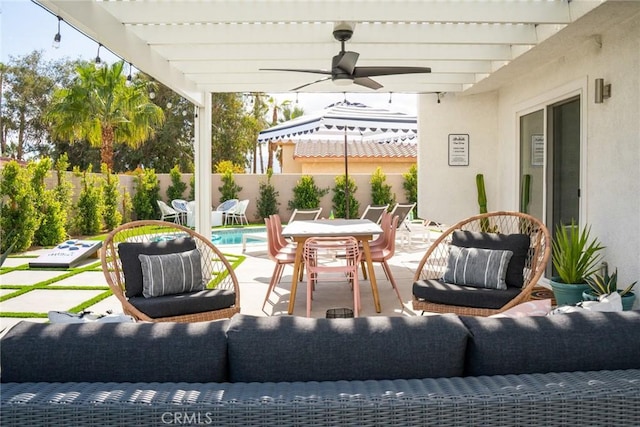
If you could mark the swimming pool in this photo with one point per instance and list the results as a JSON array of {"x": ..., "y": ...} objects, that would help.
[{"x": 233, "y": 236}]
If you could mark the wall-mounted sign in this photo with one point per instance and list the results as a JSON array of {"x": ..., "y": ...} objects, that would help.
[
  {"x": 537, "y": 150},
  {"x": 458, "y": 149}
]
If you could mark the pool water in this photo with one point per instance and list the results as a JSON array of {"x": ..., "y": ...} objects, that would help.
[{"x": 233, "y": 236}]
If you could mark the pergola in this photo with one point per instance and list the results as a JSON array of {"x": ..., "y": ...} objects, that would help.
[{"x": 197, "y": 47}]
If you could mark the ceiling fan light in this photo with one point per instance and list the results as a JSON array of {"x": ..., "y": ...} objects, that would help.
[{"x": 343, "y": 80}]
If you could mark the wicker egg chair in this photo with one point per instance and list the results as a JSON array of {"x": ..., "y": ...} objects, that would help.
[
  {"x": 434, "y": 263},
  {"x": 220, "y": 299}
]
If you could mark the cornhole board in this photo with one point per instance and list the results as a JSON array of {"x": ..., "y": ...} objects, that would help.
[{"x": 68, "y": 254}]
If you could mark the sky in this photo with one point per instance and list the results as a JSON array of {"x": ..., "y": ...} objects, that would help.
[{"x": 25, "y": 27}]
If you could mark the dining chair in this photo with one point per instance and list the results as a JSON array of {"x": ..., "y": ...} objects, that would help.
[
  {"x": 276, "y": 254},
  {"x": 382, "y": 253},
  {"x": 317, "y": 247},
  {"x": 283, "y": 244}
]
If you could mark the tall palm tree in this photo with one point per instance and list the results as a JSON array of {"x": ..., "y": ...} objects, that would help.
[{"x": 102, "y": 108}]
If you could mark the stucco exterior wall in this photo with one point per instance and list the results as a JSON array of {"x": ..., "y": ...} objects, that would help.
[
  {"x": 610, "y": 184},
  {"x": 448, "y": 193}
]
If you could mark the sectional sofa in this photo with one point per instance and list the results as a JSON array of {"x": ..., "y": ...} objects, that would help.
[{"x": 579, "y": 369}]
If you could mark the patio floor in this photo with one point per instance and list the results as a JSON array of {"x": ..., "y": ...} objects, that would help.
[{"x": 61, "y": 291}]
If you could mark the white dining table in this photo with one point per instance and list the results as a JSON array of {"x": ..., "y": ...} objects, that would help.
[{"x": 362, "y": 229}]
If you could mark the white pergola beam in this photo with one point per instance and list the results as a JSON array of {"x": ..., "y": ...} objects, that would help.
[{"x": 524, "y": 11}]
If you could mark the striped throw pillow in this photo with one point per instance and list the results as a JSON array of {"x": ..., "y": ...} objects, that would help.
[
  {"x": 481, "y": 268},
  {"x": 171, "y": 274}
]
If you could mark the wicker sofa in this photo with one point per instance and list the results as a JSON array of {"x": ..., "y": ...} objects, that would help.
[{"x": 573, "y": 369}]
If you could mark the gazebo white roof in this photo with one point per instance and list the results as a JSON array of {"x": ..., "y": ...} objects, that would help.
[{"x": 202, "y": 46}]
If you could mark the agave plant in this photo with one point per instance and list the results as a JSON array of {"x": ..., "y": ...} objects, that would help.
[
  {"x": 574, "y": 254},
  {"x": 603, "y": 284}
]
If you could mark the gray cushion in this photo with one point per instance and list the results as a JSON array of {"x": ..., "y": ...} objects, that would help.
[
  {"x": 189, "y": 303},
  {"x": 516, "y": 243},
  {"x": 439, "y": 292},
  {"x": 582, "y": 341},
  {"x": 285, "y": 348},
  {"x": 117, "y": 352},
  {"x": 131, "y": 268},
  {"x": 170, "y": 274},
  {"x": 482, "y": 268}
]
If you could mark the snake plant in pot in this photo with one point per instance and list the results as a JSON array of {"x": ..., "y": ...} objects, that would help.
[
  {"x": 575, "y": 256},
  {"x": 603, "y": 284}
]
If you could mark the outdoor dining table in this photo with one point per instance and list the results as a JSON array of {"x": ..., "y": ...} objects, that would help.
[{"x": 362, "y": 229}]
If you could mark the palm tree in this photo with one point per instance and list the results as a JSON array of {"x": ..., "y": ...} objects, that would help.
[{"x": 102, "y": 108}]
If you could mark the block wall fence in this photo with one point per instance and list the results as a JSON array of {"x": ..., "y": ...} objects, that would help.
[{"x": 250, "y": 183}]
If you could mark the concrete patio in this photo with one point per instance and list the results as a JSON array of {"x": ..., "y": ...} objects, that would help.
[{"x": 253, "y": 275}]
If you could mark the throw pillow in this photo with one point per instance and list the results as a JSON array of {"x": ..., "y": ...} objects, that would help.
[
  {"x": 481, "y": 268},
  {"x": 171, "y": 273},
  {"x": 128, "y": 253},
  {"x": 540, "y": 307},
  {"x": 516, "y": 243}
]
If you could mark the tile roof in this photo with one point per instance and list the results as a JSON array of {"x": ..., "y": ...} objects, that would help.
[{"x": 335, "y": 149}]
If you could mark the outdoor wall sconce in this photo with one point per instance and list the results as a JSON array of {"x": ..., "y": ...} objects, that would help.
[{"x": 602, "y": 92}]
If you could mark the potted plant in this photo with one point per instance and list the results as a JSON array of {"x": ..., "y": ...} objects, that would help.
[
  {"x": 603, "y": 284},
  {"x": 575, "y": 256}
]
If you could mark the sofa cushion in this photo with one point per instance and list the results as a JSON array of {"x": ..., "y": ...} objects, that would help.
[
  {"x": 189, "y": 303},
  {"x": 516, "y": 243},
  {"x": 285, "y": 348},
  {"x": 132, "y": 270},
  {"x": 171, "y": 274},
  {"x": 584, "y": 341},
  {"x": 439, "y": 292},
  {"x": 481, "y": 268},
  {"x": 115, "y": 352}
]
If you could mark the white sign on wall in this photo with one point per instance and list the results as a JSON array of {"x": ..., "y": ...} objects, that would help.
[{"x": 458, "y": 149}]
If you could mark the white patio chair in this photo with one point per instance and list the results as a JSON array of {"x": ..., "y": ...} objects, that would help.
[
  {"x": 180, "y": 206},
  {"x": 239, "y": 214},
  {"x": 167, "y": 212}
]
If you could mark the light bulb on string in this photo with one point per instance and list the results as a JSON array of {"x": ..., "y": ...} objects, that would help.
[{"x": 57, "y": 37}]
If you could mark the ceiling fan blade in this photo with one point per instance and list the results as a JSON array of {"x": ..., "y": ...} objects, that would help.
[
  {"x": 298, "y": 70},
  {"x": 387, "y": 71},
  {"x": 367, "y": 82},
  {"x": 309, "y": 84},
  {"x": 347, "y": 61}
]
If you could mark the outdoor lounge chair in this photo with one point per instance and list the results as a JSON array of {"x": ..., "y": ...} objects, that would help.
[
  {"x": 525, "y": 236},
  {"x": 305, "y": 214},
  {"x": 161, "y": 271},
  {"x": 374, "y": 213},
  {"x": 402, "y": 211}
]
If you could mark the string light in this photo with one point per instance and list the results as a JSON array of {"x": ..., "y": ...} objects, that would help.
[
  {"x": 98, "y": 62},
  {"x": 57, "y": 37},
  {"x": 129, "y": 78}
]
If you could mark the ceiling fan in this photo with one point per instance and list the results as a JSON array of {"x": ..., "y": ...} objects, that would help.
[{"x": 343, "y": 66}]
